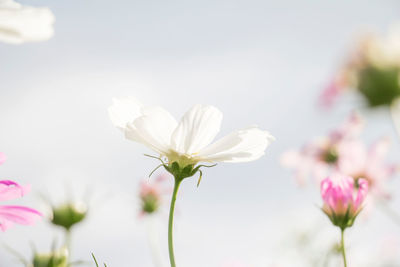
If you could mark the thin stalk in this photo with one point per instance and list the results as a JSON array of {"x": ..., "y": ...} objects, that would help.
[
  {"x": 67, "y": 243},
  {"x": 152, "y": 235},
  {"x": 171, "y": 223},
  {"x": 343, "y": 248}
]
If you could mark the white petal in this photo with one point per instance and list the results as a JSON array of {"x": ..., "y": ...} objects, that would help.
[
  {"x": 153, "y": 129},
  {"x": 9, "y": 4},
  {"x": 197, "y": 128},
  {"x": 124, "y": 110},
  {"x": 19, "y": 24},
  {"x": 239, "y": 146}
]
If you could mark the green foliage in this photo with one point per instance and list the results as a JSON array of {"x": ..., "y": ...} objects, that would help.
[
  {"x": 95, "y": 261},
  {"x": 342, "y": 221},
  {"x": 380, "y": 86}
]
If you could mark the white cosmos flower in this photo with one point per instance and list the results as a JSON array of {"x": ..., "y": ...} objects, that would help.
[
  {"x": 188, "y": 141},
  {"x": 19, "y": 24}
]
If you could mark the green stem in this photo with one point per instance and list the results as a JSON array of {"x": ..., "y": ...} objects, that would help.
[
  {"x": 67, "y": 243},
  {"x": 343, "y": 249},
  {"x": 171, "y": 223}
]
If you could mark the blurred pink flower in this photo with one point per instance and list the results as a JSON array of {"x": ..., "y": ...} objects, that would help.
[
  {"x": 343, "y": 198},
  {"x": 10, "y": 215},
  {"x": 334, "y": 89},
  {"x": 151, "y": 193},
  {"x": 320, "y": 156},
  {"x": 369, "y": 164},
  {"x": 2, "y": 158}
]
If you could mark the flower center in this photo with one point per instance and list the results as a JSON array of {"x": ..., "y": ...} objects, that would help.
[
  {"x": 357, "y": 180},
  {"x": 182, "y": 159},
  {"x": 330, "y": 156}
]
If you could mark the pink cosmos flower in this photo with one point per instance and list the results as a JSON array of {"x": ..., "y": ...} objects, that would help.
[
  {"x": 369, "y": 164},
  {"x": 320, "y": 156},
  {"x": 343, "y": 198},
  {"x": 10, "y": 214}
]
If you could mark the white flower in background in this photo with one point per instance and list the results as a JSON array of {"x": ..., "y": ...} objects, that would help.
[
  {"x": 189, "y": 141},
  {"x": 384, "y": 51},
  {"x": 19, "y": 24}
]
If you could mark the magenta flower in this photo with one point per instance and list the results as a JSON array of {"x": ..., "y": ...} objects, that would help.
[
  {"x": 10, "y": 214},
  {"x": 343, "y": 198},
  {"x": 318, "y": 157}
]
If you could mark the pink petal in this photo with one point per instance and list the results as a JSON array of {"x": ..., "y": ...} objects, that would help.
[
  {"x": 330, "y": 94},
  {"x": 12, "y": 190},
  {"x": 361, "y": 193},
  {"x": 2, "y": 158},
  {"x": 352, "y": 157},
  {"x": 17, "y": 214},
  {"x": 337, "y": 192}
]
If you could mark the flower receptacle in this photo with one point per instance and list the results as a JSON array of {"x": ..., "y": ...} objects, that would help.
[
  {"x": 67, "y": 215},
  {"x": 54, "y": 259}
]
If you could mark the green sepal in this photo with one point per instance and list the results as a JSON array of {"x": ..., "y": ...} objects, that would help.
[{"x": 342, "y": 221}]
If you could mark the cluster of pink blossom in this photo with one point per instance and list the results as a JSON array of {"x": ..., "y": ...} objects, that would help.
[
  {"x": 342, "y": 151},
  {"x": 347, "y": 170}
]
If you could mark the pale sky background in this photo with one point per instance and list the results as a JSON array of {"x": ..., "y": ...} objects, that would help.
[{"x": 259, "y": 62}]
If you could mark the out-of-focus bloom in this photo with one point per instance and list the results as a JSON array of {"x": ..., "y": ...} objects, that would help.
[
  {"x": 19, "y": 24},
  {"x": 318, "y": 157},
  {"x": 373, "y": 70},
  {"x": 2, "y": 158},
  {"x": 151, "y": 194},
  {"x": 186, "y": 143},
  {"x": 10, "y": 214},
  {"x": 58, "y": 258},
  {"x": 334, "y": 89},
  {"x": 343, "y": 198},
  {"x": 69, "y": 214},
  {"x": 370, "y": 165}
]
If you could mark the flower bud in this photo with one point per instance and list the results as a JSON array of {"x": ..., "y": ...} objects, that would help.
[
  {"x": 69, "y": 214},
  {"x": 342, "y": 199},
  {"x": 54, "y": 259},
  {"x": 150, "y": 197},
  {"x": 151, "y": 193}
]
